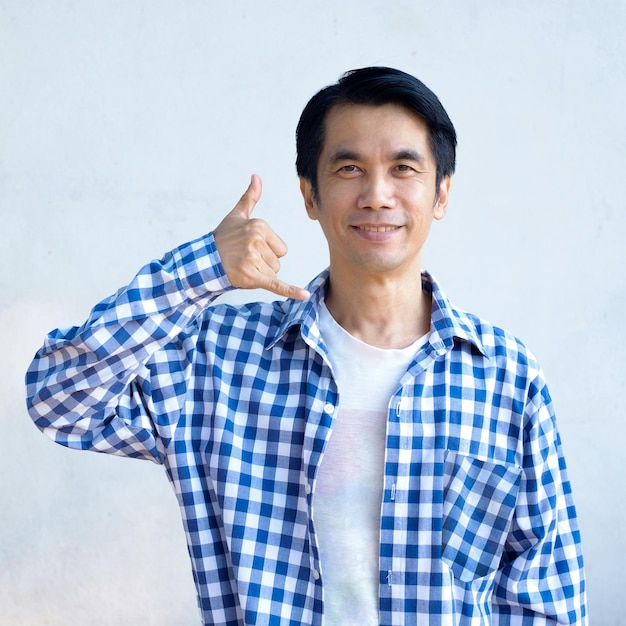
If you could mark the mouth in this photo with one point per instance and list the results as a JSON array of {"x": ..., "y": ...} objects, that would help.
[{"x": 376, "y": 229}]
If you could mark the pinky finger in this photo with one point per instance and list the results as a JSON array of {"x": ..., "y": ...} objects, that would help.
[{"x": 277, "y": 286}]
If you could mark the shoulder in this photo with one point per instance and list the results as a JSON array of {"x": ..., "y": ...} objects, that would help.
[
  {"x": 260, "y": 315},
  {"x": 265, "y": 321},
  {"x": 495, "y": 350},
  {"x": 509, "y": 360},
  {"x": 497, "y": 342},
  {"x": 494, "y": 342}
]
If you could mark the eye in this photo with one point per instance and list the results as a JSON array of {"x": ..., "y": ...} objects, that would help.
[
  {"x": 349, "y": 170},
  {"x": 403, "y": 168}
]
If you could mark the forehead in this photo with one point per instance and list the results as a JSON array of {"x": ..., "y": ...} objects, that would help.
[{"x": 363, "y": 126}]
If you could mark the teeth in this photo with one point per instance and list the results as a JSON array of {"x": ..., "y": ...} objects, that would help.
[{"x": 378, "y": 229}]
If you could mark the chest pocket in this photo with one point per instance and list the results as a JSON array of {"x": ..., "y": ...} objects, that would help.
[{"x": 479, "y": 502}]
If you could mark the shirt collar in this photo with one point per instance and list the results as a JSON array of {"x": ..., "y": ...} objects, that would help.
[
  {"x": 447, "y": 322},
  {"x": 302, "y": 313}
]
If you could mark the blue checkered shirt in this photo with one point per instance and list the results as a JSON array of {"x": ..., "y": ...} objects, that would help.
[{"x": 477, "y": 523}]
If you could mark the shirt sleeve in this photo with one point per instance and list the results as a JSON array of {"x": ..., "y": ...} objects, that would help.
[
  {"x": 542, "y": 580},
  {"x": 116, "y": 384}
]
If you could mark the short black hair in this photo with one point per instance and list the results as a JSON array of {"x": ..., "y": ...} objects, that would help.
[{"x": 374, "y": 86}]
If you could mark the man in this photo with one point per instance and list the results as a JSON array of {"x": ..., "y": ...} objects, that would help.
[{"x": 362, "y": 452}]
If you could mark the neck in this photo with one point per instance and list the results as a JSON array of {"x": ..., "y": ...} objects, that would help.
[{"x": 382, "y": 311}]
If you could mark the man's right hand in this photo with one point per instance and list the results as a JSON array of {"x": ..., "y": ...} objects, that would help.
[{"x": 250, "y": 250}]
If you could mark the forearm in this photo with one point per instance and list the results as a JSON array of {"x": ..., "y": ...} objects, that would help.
[{"x": 84, "y": 378}]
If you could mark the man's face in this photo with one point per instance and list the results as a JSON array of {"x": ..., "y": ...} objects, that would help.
[{"x": 377, "y": 192}]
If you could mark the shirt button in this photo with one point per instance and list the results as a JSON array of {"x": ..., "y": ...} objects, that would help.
[
  {"x": 329, "y": 409},
  {"x": 315, "y": 574},
  {"x": 307, "y": 488}
]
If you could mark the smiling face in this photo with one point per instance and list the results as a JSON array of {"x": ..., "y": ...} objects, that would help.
[{"x": 377, "y": 192}]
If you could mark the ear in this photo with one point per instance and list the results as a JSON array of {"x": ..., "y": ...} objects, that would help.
[
  {"x": 306, "y": 188},
  {"x": 441, "y": 203}
]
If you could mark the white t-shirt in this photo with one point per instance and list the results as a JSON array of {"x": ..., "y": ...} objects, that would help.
[{"x": 348, "y": 493}]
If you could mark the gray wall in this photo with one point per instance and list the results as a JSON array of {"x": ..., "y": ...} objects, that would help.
[{"x": 128, "y": 127}]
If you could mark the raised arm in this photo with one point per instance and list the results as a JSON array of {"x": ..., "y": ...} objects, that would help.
[{"x": 117, "y": 383}]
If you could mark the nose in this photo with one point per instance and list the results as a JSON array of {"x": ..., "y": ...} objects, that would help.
[{"x": 376, "y": 192}]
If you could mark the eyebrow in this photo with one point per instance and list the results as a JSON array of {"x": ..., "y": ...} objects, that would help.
[
  {"x": 343, "y": 155},
  {"x": 407, "y": 154}
]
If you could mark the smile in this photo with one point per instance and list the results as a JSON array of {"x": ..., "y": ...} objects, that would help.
[{"x": 377, "y": 229}]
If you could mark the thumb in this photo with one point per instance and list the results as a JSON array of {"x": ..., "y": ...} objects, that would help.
[{"x": 251, "y": 196}]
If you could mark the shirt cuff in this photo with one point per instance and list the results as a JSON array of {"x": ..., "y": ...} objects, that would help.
[{"x": 199, "y": 269}]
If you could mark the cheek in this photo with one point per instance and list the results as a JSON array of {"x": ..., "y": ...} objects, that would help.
[
  {"x": 331, "y": 205},
  {"x": 340, "y": 187}
]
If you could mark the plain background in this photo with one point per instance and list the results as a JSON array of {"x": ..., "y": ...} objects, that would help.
[{"x": 128, "y": 127}]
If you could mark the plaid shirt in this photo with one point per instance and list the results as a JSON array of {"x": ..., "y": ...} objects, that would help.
[{"x": 477, "y": 522}]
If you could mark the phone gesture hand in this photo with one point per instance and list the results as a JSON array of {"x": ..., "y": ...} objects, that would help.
[{"x": 250, "y": 250}]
